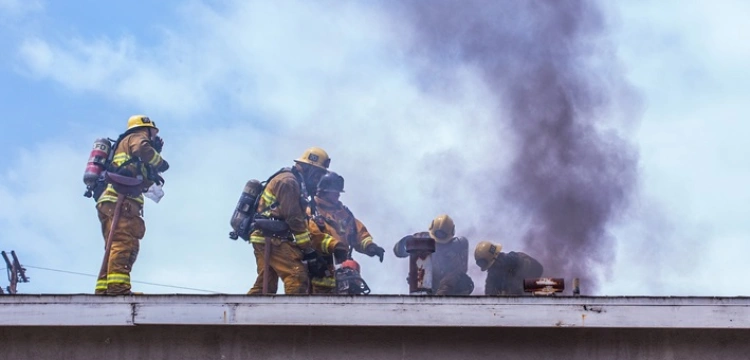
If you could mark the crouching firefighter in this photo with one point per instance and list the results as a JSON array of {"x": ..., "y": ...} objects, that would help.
[
  {"x": 342, "y": 232},
  {"x": 505, "y": 271},
  {"x": 449, "y": 262},
  {"x": 280, "y": 236},
  {"x": 135, "y": 166}
]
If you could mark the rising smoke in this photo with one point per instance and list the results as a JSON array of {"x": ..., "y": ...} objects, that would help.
[{"x": 552, "y": 67}]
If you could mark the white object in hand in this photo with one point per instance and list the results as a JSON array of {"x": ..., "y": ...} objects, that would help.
[{"x": 155, "y": 193}]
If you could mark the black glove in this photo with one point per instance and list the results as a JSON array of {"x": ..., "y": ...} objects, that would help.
[
  {"x": 157, "y": 143},
  {"x": 317, "y": 267},
  {"x": 340, "y": 253},
  {"x": 316, "y": 264},
  {"x": 309, "y": 254},
  {"x": 373, "y": 250},
  {"x": 164, "y": 166},
  {"x": 158, "y": 180}
]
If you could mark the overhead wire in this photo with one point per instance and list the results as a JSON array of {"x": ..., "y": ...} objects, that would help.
[{"x": 132, "y": 281}]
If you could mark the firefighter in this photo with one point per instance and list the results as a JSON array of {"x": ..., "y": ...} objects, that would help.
[
  {"x": 449, "y": 262},
  {"x": 505, "y": 271},
  {"x": 136, "y": 155},
  {"x": 343, "y": 231},
  {"x": 283, "y": 204}
]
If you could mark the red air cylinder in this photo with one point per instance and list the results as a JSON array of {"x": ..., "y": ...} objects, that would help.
[{"x": 97, "y": 162}]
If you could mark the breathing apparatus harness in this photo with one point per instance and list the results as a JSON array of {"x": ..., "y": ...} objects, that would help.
[{"x": 101, "y": 185}]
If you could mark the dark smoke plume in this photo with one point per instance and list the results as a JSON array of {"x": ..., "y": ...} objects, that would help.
[{"x": 552, "y": 66}]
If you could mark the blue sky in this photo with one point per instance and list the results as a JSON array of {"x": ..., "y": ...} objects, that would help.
[{"x": 225, "y": 81}]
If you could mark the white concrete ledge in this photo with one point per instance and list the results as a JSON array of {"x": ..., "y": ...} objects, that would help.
[{"x": 377, "y": 310}]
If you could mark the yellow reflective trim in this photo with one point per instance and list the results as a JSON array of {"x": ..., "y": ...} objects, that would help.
[
  {"x": 113, "y": 198},
  {"x": 366, "y": 241},
  {"x": 101, "y": 284},
  {"x": 155, "y": 159},
  {"x": 328, "y": 281},
  {"x": 107, "y": 198},
  {"x": 268, "y": 197},
  {"x": 120, "y": 158},
  {"x": 257, "y": 238},
  {"x": 117, "y": 276},
  {"x": 325, "y": 243},
  {"x": 110, "y": 195},
  {"x": 118, "y": 279},
  {"x": 302, "y": 238}
]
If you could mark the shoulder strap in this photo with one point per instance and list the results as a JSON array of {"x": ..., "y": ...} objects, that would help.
[
  {"x": 263, "y": 188},
  {"x": 111, "y": 156}
]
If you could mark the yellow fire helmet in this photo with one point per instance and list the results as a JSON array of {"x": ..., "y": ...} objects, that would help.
[
  {"x": 485, "y": 254},
  {"x": 442, "y": 229},
  {"x": 315, "y": 156},
  {"x": 136, "y": 121}
]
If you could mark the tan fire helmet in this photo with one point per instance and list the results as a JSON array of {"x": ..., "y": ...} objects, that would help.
[
  {"x": 442, "y": 229},
  {"x": 315, "y": 156},
  {"x": 486, "y": 253}
]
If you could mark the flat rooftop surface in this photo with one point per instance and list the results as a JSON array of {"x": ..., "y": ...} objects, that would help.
[{"x": 376, "y": 310}]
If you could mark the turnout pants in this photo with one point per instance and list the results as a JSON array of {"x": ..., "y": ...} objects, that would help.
[
  {"x": 326, "y": 284},
  {"x": 285, "y": 262},
  {"x": 123, "y": 252}
]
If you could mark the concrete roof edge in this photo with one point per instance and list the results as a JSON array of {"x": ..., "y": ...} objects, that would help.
[{"x": 378, "y": 310}]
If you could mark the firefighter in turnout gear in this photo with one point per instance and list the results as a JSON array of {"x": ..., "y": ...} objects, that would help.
[
  {"x": 505, "y": 271},
  {"x": 341, "y": 231},
  {"x": 136, "y": 155},
  {"x": 449, "y": 262},
  {"x": 283, "y": 207}
]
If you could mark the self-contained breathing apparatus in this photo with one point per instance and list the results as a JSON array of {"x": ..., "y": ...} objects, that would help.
[
  {"x": 100, "y": 162},
  {"x": 245, "y": 218}
]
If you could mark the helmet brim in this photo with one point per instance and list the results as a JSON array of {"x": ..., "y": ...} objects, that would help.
[{"x": 310, "y": 163}]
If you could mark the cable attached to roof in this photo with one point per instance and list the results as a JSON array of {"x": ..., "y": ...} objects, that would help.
[{"x": 139, "y": 282}]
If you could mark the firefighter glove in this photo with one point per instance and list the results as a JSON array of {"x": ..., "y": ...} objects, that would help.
[
  {"x": 157, "y": 143},
  {"x": 158, "y": 180},
  {"x": 340, "y": 253},
  {"x": 317, "y": 266},
  {"x": 308, "y": 254},
  {"x": 163, "y": 167},
  {"x": 374, "y": 250}
]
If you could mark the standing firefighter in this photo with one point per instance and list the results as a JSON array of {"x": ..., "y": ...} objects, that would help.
[
  {"x": 449, "y": 262},
  {"x": 343, "y": 232},
  {"x": 136, "y": 158},
  {"x": 505, "y": 272},
  {"x": 281, "y": 225}
]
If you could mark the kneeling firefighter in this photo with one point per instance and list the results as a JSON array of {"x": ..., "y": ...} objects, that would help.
[
  {"x": 131, "y": 168},
  {"x": 449, "y": 262},
  {"x": 505, "y": 271},
  {"x": 280, "y": 236},
  {"x": 342, "y": 232}
]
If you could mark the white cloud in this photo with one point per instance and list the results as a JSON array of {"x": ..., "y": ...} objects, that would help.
[{"x": 19, "y": 7}]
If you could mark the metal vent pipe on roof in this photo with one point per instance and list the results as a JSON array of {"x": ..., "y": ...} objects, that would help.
[{"x": 420, "y": 251}]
